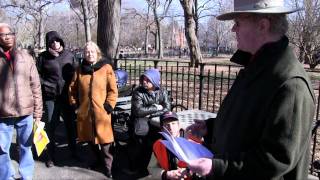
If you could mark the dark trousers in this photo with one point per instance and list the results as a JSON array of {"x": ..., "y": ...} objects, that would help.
[
  {"x": 69, "y": 118},
  {"x": 103, "y": 155},
  {"x": 53, "y": 109},
  {"x": 141, "y": 150},
  {"x": 51, "y": 118}
]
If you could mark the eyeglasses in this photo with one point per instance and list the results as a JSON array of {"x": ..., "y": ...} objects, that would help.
[{"x": 10, "y": 34}]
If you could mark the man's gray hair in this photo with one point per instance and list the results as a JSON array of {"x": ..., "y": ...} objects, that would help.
[
  {"x": 2, "y": 25},
  {"x": 278, "y": 22}
]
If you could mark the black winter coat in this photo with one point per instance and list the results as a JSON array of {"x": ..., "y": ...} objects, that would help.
[
  {"x": 56, "y": 74},
  {"x": 143, "y": 103},
  {"x": 263, "y": 127}
]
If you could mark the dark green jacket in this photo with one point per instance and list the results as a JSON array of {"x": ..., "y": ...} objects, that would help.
[{"x": 263, "y": 128}]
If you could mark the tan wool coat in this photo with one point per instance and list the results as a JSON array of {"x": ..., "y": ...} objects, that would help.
[{"x": 90, "y": 92}]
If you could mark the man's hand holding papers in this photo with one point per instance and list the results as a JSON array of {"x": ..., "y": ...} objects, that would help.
[{"x": 184, "y": 149}]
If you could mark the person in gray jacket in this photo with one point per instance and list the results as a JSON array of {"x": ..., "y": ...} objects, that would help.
[
  {"x": 20, "y": 104},
  {"x": 263, "y": 127}
]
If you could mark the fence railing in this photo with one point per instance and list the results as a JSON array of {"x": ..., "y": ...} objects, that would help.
[{"x": 204, "y": 87}]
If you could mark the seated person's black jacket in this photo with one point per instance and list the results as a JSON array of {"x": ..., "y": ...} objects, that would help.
[{"x": 143, "y": 103}]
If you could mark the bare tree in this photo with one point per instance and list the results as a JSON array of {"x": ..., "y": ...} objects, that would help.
[
  {"x": 305, "y": 32},
  {"x": 35, "y": 10},
  {"x": 66, "y": 24},
  {"x": 190, "y": 31},
  {"x": 141, "y": 19},
  {"x": 87, "y": 12},
  {"x": 2, "y": 15},
  {"x": 203, "y": 9},
  {"x": 152, "y": 23},
  {"x": 154, "y": 5},
  {"x": 132, "y": 30},
  {"x": 109, "y": 26},
  {"x": 147, "y": 30},
  {"x": 220, "y": 30}
]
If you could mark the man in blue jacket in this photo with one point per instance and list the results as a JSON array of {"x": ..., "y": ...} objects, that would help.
[{"x": 263, "y": 127}]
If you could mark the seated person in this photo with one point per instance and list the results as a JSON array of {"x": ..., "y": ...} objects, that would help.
[
  {"x": 172, "y": 168},
  {"x": 148, "y": 101}
]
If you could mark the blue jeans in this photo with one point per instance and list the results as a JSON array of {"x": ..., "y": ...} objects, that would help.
[{"x": 23, "y": 126}]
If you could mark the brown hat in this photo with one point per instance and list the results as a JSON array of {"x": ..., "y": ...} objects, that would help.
[{"x": 258, "y": 7}]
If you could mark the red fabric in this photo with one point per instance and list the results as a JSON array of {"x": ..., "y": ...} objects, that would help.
[
  {"x": 8, "y": 55},
  {"x": 182, "y": 164},
  {"x": 160, "y": 151}
]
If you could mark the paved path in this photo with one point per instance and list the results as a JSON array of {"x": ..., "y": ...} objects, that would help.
[{"x": 69, "y": 169}]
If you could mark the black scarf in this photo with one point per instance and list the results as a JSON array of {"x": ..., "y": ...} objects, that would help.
[
  {"x": 87, "y": 68},
  {"x": 271, "y": 48}
]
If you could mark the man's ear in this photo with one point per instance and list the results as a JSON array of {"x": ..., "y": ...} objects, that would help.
[{"x": 264, "y": 25}]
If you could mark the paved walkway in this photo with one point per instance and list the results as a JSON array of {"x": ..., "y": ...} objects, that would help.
[{"x": 69, "y": 169}]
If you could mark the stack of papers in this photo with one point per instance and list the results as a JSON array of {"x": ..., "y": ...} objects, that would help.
[{"x": 184, "y": 149}]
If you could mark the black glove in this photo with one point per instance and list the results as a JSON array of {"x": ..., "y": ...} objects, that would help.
[
  {"x": 108, "y": 108},
  {"x": 74, "y": 107}
]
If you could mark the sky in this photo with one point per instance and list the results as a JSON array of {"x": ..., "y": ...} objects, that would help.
[
  {"x": 137, "y": 4},
  {"x": 141, "y": 6}
]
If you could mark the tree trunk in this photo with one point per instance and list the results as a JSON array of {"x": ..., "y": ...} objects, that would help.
[
  {"x": 109, "y": 26},
  {"x": 156, "y": 39},
  {"x": 196, "y": 16},
  {"x": 87, "y": 28},
  {"x": 146, "y": 38},
  {"x": 156, "y": 19},
  {"x": 146, "y": 42},
  {"x": 190, "y": 31},
  {"x": 77, "y": 29},
  {"x": 41, "y": 32}
]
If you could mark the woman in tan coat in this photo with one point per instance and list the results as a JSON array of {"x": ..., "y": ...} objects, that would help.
[{"x": 93, "y": 91}]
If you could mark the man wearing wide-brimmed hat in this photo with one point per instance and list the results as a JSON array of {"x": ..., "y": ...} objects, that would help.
[{"x": 263, "y": 128}]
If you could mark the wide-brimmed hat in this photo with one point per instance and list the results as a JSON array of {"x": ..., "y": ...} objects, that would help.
[{"x": 258, "y": 7}]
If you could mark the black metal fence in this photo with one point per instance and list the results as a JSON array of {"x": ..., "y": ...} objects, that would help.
[{"x": 201, "y": 88}]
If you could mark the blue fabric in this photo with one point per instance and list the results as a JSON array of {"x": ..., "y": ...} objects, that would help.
[
  {"x": 23, "y": 126},
  {"x": 189, "y": 150},
  {"x": 154, "y": 76},
  {"x": 122, "y": 77}
]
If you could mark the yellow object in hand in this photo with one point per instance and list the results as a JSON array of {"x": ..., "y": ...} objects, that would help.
[{"x": 40, "y": 137}]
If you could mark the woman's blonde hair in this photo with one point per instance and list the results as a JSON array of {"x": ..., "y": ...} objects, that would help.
[{"x": 96, "y": 47}]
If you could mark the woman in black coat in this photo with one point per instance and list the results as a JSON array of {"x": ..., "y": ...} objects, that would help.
[{"x": 56, "y": 67}]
